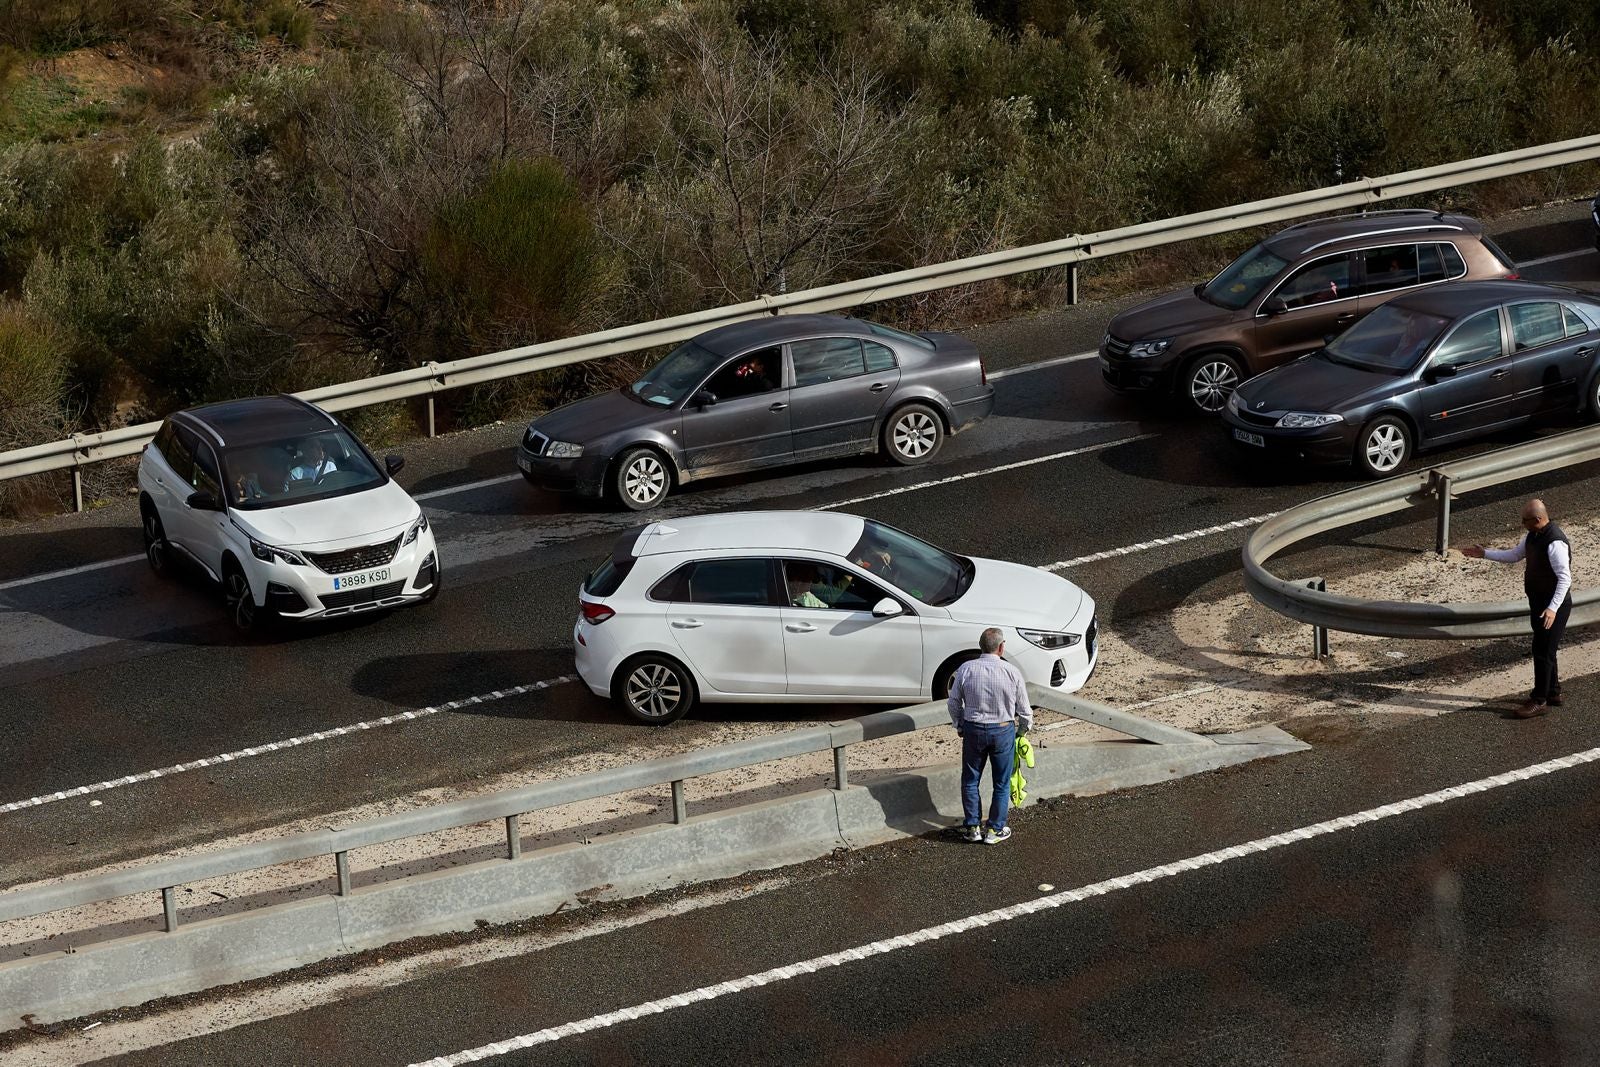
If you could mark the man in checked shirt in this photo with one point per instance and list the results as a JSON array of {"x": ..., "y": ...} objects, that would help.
[
  {"x": 988, "y": 705},
  {"x": 1548, "y": 582}
]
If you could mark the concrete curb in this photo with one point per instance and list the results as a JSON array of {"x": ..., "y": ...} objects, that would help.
[{"x": 722, "y": 844}]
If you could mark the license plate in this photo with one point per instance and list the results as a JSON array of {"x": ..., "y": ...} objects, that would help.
[
  {"x": 1249, "y": 438},
  {"x": 355, "y": 581},
  {"x": 522, "y": 461}
]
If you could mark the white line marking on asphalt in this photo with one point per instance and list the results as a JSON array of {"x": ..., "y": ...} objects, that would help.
[
  {"x": 1542, "y": 260},
  {"x": 274, "y": 746},
  {"x": 1014, "y": 911},
  {"x": 1143, "y": 546},
  {"x": 466, "y": 486},
  {"x": 1077, "y": 357},
  {"x": 17, "y": 583},
  {"x": 986, "y": 471}
]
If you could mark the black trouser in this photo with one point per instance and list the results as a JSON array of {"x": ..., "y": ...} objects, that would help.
[{"x": 1546, "y": 682}]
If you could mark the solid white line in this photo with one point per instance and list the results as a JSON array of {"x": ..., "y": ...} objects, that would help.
[
  {"x": 1005, "y": 914},
  {"x": 17, "y": 583},
  {"x": 274, "y": 746},
  {"x": 1542, "y": 260},
  {"x": 986, "y": 471},
  {"x": 466, "y": 486},
  {"x": 1143, "y": 546},
  {"x": 1042, "y": 364}
]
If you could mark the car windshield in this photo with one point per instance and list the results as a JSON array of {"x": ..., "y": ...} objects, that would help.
[
  {"x": 681, "y": 370},
  {"x": 1391, "y": 339},
  {"x": 917, "y": 568},
  {"x": 1243, "y": 279},
  {"x": 317, "y": 466}
]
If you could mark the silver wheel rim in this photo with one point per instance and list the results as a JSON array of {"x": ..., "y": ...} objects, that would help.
[
  {"x": 644, "y": 480},
  {"x": 915, "y": 434},
  {"x": 654, "y": 691},
  {"x": 240, "y": 603},
  {"x": 1386, "y": 447},
  {"x": 1212, "y": 384}
]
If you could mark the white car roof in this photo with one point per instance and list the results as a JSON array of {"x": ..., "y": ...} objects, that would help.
[{"x": 760, "y": 531}]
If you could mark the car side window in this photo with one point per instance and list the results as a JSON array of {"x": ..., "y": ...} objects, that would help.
[
  {"x": 1473, "y": 341},
  {"x": 174, "y": 451},
  {"x": 1390, "y": 267},
  {"x": 1454, "y": 265},
  {"x": 1430, "y": 264},
  {"x": 1574, "y": 322},
  {"x": 826, "y": 359},
  {"x": 809, "y": 584},
  {"x": 879, "y": 357},
  {"x": 753, "y": 373},
  {"x": 1317, "y": 282},
  {"x": 207, "y": 477},
  {"x": 745, "y": 581},
  {"x": 1535, "y": 324}
]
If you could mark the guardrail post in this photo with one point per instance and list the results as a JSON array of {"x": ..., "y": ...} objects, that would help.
[
  {"x": 513, "y": 836},
  {"x": 1072, "y": 283},
  {"x": 841, "y": 777},
  {"x": 680, "y": 806},
  {"x": 77, "y": 488},
  {"x": 1441, "y": 486},
  {"x": 341, "y": 861},
  {"x": 1319, "y": 634},
  {"x": 169, "y": 907},
  {"x": 430, "y": 416}
]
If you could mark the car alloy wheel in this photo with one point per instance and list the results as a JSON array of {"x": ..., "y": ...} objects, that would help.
[
  {"x": 241, "y": 604},
  {"x": 1211, "y": 383},
  {"x": 914, "y": 435},
  {"x": 1385, "y": 446},
  {"x": 655, "y": 692},
  {"x": 642, "y": 479}
]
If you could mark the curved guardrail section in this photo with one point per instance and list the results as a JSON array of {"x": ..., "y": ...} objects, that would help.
[{"x": 1437, "y": 485}]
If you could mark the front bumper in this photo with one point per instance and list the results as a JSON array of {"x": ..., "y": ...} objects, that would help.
[
  {"x": 1123, "y": 375},
  {"x": 1322, "y": 444},
  {"x": 303, "y": 593},
  {"x": 1066, "y": 670},
  {"x": 585, "y": 475}
]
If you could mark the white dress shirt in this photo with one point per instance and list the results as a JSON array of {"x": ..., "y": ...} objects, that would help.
[{"x": 1560, "y": 562}]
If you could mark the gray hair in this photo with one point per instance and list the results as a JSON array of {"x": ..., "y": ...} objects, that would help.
[{"x": 991, "y": 639}]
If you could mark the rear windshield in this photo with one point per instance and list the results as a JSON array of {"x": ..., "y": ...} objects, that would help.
[
  {"x": 608, "y": 577},
  {"x": 1242, "y": 280},
  {"x": 900, "y": 335}
]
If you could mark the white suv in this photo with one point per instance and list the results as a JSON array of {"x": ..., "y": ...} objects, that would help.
[
  {"x": 279, "y": 503},
  {"x": 809, "y": 606}
]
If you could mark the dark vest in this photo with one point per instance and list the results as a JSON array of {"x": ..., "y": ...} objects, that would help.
[{"x": 1539, "y": 578}]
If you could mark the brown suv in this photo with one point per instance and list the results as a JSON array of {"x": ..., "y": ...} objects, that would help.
[{"x": 1288, "y": 295}]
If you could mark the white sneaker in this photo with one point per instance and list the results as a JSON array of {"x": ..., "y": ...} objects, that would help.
[{"x": 992, "y": 836}]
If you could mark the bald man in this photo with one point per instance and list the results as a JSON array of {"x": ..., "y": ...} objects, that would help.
[{"x": 1548, "y": 582}]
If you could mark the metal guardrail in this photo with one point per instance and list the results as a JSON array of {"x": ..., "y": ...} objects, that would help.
[
  {"x": 1438, "y": 485},
  {"x": 426, "y": 381},
  {"x": 170, "y": 875}
]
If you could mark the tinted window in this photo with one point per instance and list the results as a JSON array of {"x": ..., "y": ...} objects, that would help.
[
  {"x": 1533, "y": 325},
  {"x": 1242, "y": 280},
  {"x": 879, "y": 357},
  {"x": 1317, "y": 282},
  {"x": 207, "y": 478},
  {"x": 1575, "y": 323},
  {"x": 1475, "y": 340},
  {"x": 186, "y": 444},
  {"x": 669, "y": 381},
  {"x": 809, "y": 584},
  {"x": 607, "y": 578},
  {"x": 1430, "y": 263},
  {"x": 930, "y": 574},
  {"x": 900, "y": 335},
  {"x": 1393, "y": 267},
  {"x": 826, "y": 359},
  {"x": 752, "y": 373},
  {"x": 1390, "y": 339},
  {"x": 316, "y": 466},
  {"x": 731, "y": 581},
  {"x": 177, "y": 455},
  {"x": 674, "y": 587},
  {"x": 1454, "y": 265}
]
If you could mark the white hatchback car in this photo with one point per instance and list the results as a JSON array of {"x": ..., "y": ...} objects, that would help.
[
  {"x": 811, "y": 606},
  {"x": 278, "y": 502}
]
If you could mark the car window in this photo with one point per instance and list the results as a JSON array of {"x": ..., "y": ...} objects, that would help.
[
  {"x": 1473, "y": 341},
  {"x": 879, "y": 357},
  {"x": 1242, "y": 280},
  {"x": 753, "y": 373},
  {"x": 910, "y": 564},
  {"x": 1454, "y": 265},
  {"x": 900, "y": 335},
  {"x": 178, "y": 455},
  {"x": 680, "y": 370},
  {"x": 826, "y": 359},
  {"x": 1537, "y": 324},
  {"x": 1391, "y": 339},
  {"x": 1317, "y": 282},
  {"x": 730, "y": 581},
  {"x": 207, "y": 477},
  {"x": 1574, "y": 322},
  {"x": 809, "y": 584},
  {"x": 1390, "y": 267},
  {"x": 316, "y": 466}
]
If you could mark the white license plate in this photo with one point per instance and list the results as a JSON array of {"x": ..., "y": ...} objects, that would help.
[
  {"x": 522, "y": 461},
  {"x": 356, "y": 581},
  {"x": 1250, "y": 438}
]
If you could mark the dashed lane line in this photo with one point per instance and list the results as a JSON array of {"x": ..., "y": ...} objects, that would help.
[
  {"x": 1076, "y": 357},
  {"x": 1145, "y": 546},
  {"x": 1542, "y": 260},
  {"x": 553, "y": 1034}
]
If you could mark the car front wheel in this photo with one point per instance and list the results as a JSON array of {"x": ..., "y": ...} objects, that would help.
[
  {"x": 642, "y": 479},
  {"x": 913, "y": 435},
  {"x": 1209, "y": 380},
  {"x": 655, "y": 689},
  {"x": 240, "y": 601},
  {"x": 1383, "y": 447}
]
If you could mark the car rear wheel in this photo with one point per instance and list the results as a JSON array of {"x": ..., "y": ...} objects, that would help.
[
  {"x": 641, "y": 479},
  {"x": 1383, "y": 447},
  {"x": 655, "y": 689},
  {"x": 913, "y": 435},
  {"x": 156, "y": 549},
  {"x": 1209, "y": 380}
]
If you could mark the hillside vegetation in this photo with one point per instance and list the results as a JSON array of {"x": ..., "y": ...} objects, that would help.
[{"x": 210, "y": 198}]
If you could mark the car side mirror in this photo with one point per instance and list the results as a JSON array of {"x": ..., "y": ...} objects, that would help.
[
  {"x": 392, "y": 463},
  {"x": 1443, "y": 370},
  {"x": 705, "y": 398},
  {"x": 887, "y": 608},
  {"x": 203, "y": 501},
  {"x": 1276, "y": 305}
]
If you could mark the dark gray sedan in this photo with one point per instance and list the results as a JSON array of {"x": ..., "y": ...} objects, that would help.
[
  {"x": 1432, "y": 368},
  {"x": 755, "y": 394}
]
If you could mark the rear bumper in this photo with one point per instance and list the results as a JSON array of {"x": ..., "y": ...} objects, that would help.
[{"x": 968, "y": 413}]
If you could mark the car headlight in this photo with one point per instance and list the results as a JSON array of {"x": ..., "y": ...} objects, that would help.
[
  {"x": 1305, "y": 420},
  {"x": 267, "y": 553},
  {"x": 1146, "y": 349},
  {"x": 1050, "y": 639},
  {"x": 416, "y": 529},
  {"x": 563, "y": 450},
  {"x": 1233, "y": 402}
]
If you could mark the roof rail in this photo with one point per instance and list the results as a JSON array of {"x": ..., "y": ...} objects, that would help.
[
  {"x": 1383, "y": 233},
  {"x": 1367, "y": 215}
]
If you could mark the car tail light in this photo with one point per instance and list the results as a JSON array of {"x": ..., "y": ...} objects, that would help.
[
  {"x": 1513, "y": 277},
  {"x": 595, "y": 613}
]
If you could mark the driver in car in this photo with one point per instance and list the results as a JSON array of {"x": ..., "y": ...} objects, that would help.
[
  {"x": 804, "y": 592},
  {"x": 314, "y": 463}
]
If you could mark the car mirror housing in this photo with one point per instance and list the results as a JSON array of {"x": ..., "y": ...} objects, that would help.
[
  {"x": 704, "y": 398},
  {"x": 392, "y": 463},
  {"x": 203, "y": 501},
  {"x": 887, "y": 608},
  {"x": 1442, "y": 370},
  {"x": 1276, "y": 305}
]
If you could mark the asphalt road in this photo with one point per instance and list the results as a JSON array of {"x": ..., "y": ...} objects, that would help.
[
  {"x": 1462, "y": 932},
  {"x": 109, "y": 672}
]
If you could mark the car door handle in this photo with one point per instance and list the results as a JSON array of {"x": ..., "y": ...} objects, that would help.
[
  {"x": 1500, "y": 374},
  {"x": 1585, "y": 351},
  {"x": 879, "y": 387},
  {"x": 799, "y": 627},
  {"x": 686, "y": 624},
  {"x": 1346, "y": 317},
  {"x": 779, "y": 407}
]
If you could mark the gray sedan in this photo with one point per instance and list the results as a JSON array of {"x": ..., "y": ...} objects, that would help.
[{"x": 756, "y": 394}]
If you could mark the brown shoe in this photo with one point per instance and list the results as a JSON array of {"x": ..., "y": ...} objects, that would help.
[{"x": 1531, "y": 710}]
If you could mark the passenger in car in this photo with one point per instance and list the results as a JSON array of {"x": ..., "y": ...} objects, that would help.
[
  {"x": 314, "y": 463},
  {"x": 805, "y": 590}
]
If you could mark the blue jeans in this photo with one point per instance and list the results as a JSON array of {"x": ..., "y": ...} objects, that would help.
[{"x": 995, "y": 744}]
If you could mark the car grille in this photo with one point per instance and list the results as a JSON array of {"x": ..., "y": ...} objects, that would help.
[
  {"x": 535, "y": 442},
  {"x": 355, "y": 559},
  {"x": 367, "y": 595},
  {"x": 1116, "y": 347},
  {"x": 1255, "y": 419}
]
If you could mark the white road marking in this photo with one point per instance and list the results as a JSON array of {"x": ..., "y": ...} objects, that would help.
[
  {"x": 466, "y": 486},
  {"x": 1042, "y": 364},
  {"x": 292, "y": 742},
  {"x": 553, "y": 1034},
  {"x": 986, "y": 471},
  {"x": 17, "y": 583},
  {"x": 1143, "y": 546},
  {"x": 1545, "y": 259}
]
